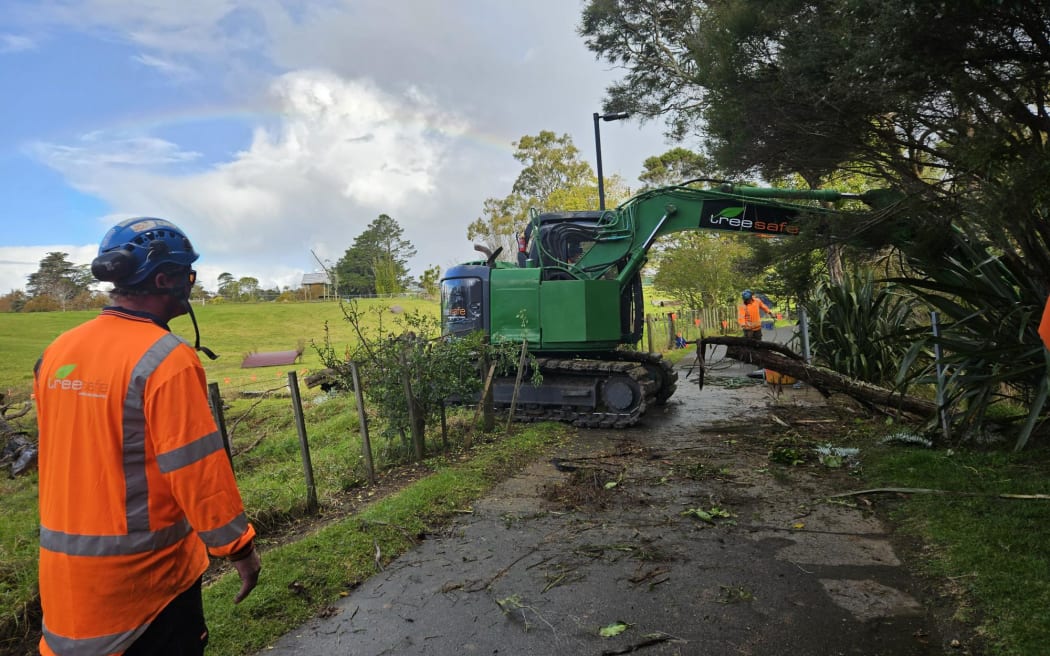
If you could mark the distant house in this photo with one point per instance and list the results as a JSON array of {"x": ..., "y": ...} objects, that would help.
[{"x": 317, "y": 286}]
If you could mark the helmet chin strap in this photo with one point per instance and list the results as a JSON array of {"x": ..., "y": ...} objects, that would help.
[
  {"x": 182, "y": 294},
  {"x": 196, "y": 331}
]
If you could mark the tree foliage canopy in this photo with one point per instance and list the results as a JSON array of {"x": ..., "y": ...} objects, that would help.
[
  {"x": 675, "y": 166},
  {"x": 944, "y": 101},
  {"x": 229, "y": 287},
  {"x": 700, "y": 268},
  {"x": 378, "y": 258},
  {"x": 430, "y": 281}
]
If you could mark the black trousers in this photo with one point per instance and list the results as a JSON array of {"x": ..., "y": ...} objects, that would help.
[
  {"x": 753, "y": 334},
  {"x": 178, "y": 630}
]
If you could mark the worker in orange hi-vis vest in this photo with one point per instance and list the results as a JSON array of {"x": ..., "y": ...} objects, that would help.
[
  {"x": 136, "y": 489},
  {"x": 749, "y": 315}
]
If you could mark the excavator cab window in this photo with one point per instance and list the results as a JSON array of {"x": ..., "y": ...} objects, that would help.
[{"x": 461, "y": 305}]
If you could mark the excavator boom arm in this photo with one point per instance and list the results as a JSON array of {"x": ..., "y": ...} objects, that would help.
[{"x": 627, "y": 233}]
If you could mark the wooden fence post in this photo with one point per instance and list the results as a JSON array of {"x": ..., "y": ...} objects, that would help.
[
  {"x": 486, "y": 393},
  {"x": 366, "y": 442},
  {"x": 413, "y": 411},
  {"x": 444, "y": 425},
  {"x": 304, "y": 446},
  {"x": 649, "y": 332},
  {"x": 517, "y": 383},
  {"x": 488, "y": 404},
  {"x": 215, "y": 400}
]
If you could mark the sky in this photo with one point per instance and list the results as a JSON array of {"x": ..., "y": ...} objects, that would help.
[{"x": 274, "y": 131}]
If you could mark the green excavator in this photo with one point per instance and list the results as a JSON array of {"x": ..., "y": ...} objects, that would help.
[{"x": 574, "y": 295}]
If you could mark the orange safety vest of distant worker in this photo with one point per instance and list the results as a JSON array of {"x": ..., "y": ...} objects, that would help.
[
  {"x": 135, "y": 485},
  {"x": 1044, "y": 325},
  {"x": 748, "y": 315}
]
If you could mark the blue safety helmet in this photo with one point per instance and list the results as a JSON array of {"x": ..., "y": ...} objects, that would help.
[
  {"x": 133, "y": 250},
  {"x": 746, "y": 295}
]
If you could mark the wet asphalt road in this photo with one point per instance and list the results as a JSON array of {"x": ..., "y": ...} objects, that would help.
[{"x": 598, "y": 537}]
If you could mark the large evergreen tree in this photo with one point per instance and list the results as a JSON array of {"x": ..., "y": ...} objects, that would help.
[
  {"x": 381, "y": 253},
  {"x": 229, "y": 287},
  {"x": 59, "y": 279}
]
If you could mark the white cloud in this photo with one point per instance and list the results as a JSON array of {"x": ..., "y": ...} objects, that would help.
[
  {"x": 187, "y": 26},
  {"x": 99, "y": 149},
  {"x": 344, "y": 152},
  {"x": 16, "y": 43},
  {"x": 165, "y": 66}
]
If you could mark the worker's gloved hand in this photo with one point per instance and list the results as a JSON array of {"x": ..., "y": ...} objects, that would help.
[{"x": 248, "y": 569}]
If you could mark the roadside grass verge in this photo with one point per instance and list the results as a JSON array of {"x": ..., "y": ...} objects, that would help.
[
  {"x": 302, "y": 578},
  {"x": 994, "y": 550},
  {"x": 19, "y": 549}
]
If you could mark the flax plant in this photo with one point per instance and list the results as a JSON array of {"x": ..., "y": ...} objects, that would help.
[
  {"x": 861, "y": 328},
  {"x": 989, "y": 306}
]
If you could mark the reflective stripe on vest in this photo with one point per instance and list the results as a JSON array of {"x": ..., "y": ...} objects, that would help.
[
  {"x": 73, "y": 544},
  {"x": 92, "y": 646},
  {"x": 233, "y": 529},
  {"x": 185, "y": 456},
  {"x": 136, "y": 504}
]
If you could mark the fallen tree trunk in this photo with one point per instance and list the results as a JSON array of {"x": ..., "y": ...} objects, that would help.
[
  {"x": 7, "y": 411},
  {"x": 15, "y": 445},
  {"x": 779, "y": 358}
]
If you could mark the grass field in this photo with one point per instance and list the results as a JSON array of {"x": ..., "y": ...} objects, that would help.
[{"x": 231, "y": 330}]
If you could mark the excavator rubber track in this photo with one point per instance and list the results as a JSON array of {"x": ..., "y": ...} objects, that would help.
[{"x": 597, "y": 392}]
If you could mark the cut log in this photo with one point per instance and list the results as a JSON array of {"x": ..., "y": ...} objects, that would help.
[
  {"x": 779, "y": 358},
  {"x": 328, "y": 379}
]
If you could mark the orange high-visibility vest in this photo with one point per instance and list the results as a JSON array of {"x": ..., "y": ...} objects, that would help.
[
  {"x": 135, "y": 485},
  {"x": 1044, "y": 325},
  {"x": 748, "y": 314}
]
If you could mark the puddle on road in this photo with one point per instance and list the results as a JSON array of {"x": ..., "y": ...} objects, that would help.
[{"x": 728, "y": 396}]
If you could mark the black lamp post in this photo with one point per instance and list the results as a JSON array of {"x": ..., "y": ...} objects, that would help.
[{"x": 598, "y": 150}]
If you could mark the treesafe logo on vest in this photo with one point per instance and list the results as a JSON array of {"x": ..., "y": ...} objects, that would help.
[{"x": 63, "y": 383}]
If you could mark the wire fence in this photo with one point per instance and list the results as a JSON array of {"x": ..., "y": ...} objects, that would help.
[{"x": 675, "y": 327}]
